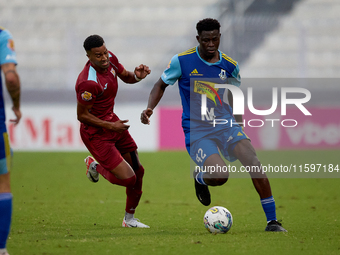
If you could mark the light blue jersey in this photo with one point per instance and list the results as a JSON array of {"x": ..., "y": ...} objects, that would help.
[
  {"x": 197, "y": 77},
  {"x": 7, "y": 55}
]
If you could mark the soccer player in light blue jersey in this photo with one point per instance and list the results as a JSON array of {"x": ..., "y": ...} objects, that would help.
[
  {"x": 8, "y": 67},
  {"x": 197, "y": 71}
]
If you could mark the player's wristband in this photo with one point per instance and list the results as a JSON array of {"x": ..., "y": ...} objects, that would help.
[{"x": 137, "y": 79}]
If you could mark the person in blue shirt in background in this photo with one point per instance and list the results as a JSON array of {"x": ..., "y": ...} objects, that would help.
[
  {"x": 197, "y": 71},
  {"x": 8, "y": 64}
]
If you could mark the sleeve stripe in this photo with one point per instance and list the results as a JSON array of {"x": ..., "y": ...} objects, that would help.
[
  {"x": 229, "y": 59},
  {"x": 7, "y": 151},
  {"x": 190, "y": 51}
]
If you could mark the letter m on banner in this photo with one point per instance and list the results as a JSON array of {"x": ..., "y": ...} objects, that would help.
[{"x": 205, "y": 114}]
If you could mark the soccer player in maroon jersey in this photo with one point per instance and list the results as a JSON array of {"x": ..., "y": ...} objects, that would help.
[{"x": 104, "y": 134}]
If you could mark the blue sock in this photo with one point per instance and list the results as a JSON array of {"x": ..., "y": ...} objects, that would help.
[
  {"x": 268, "y": 205},
  {"x": 199, "y": 178},
  {"x": 5, "y": 217}
]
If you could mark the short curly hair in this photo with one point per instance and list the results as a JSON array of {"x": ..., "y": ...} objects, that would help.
[
  {"x": 207, "y": 24},
  {"x": 93, "y": 41}
]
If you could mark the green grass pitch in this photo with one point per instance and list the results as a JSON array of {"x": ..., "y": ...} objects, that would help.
[{"x": 57, "y": 210}]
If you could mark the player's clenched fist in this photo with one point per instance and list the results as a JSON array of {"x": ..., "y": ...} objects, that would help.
[{"x": 146, "y": 114}]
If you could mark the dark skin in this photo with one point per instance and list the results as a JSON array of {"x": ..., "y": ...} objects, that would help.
[
  {"x": 209, "y": 42},
  {"x": 99, "y": 58}
]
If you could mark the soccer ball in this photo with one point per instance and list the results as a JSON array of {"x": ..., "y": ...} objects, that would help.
[{"x": 218, "y": 220}]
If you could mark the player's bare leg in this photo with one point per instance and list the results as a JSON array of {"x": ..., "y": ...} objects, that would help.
[
  {"x": 5, "y": 186},
  {"x": 246, "y": 154},
  {"x": 129, "y": 173},
  {"x": 122, "y": 175},
  {"x": 123, "y": 170},
  {"x": 215, "y": 178}
]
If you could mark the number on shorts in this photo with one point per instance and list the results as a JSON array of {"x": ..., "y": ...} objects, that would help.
[{"x": 200, "y": 155}]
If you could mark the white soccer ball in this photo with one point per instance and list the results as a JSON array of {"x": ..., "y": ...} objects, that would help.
[{"x": 218, "y": 220}]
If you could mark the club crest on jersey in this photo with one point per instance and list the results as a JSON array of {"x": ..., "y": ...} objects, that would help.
[
  {"x": 113, "y": 72},
  {"x": 223, "y": 75},
  {"x": 86, "y": 96}
]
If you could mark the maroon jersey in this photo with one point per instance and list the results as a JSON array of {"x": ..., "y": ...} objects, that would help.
[{"x": 99, "y": 89}]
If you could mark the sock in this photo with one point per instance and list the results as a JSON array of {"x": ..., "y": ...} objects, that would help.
[
  {"x": 3, "y": 251},
  {"x": 199, "y": 178},
  {"x": 268, "y": 205},
  {"x": 134, "y": 193},
  {"x": 5, "y": 217},
  {"x": 113, "y": 179},
  {"x": 129, "y": 216}
]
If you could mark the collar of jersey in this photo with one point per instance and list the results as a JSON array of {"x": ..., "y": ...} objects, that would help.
[{"x": 206, "y": 62}]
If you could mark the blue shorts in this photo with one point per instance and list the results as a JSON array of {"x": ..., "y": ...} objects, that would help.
[
  {"x": 5, "y": 153},
  {"x": 214, "y": 143}
]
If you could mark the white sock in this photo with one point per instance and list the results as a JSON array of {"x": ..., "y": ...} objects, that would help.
[
  {"x": 129, "y": 216},
  {"x": 4, "y": 250}
]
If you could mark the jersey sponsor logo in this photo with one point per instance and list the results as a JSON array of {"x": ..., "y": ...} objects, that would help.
[
  {"x": 223, "y": 75},
  {"x": 208, "y": 114},
  {"x": 239, "y": 134},
  {"x": 86, "y": 96},
  {"x": 207, "y": 88},
  {"x": 195, "y": 73},
  {"x": 10, "y": 44}
]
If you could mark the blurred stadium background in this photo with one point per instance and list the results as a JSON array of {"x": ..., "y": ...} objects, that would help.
[{"x": 272, "y": 40}]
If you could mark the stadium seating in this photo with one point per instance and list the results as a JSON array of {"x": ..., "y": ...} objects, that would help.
[
  {"x": 285, "y": 39},
  {"x": 49, "y": 34},
  {"x": 305, "y": 44}
]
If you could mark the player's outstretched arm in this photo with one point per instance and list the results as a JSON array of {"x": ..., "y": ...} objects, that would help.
[
  {"x": 155, "y": 96},
  {"x": 139, "y": 74},
  {"x": 13, "y": 87}
]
